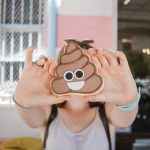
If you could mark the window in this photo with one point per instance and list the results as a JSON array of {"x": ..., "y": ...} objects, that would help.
[{"x": 21, "y": 24}]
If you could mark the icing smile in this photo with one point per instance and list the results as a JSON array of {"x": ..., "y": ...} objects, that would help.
[{"x": 75, "y": 85}]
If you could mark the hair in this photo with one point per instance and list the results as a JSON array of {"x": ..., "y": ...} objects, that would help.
[{"x": 101, "y": 106}]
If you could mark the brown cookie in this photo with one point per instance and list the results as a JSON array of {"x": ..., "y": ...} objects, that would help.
[{"x": 76, "y": 74}]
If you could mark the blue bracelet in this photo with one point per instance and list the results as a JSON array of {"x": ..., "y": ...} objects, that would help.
[{"x": 133, "y": 105}]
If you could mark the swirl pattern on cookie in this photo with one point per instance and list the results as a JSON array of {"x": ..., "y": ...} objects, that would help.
[{"x": 76, "y": 74}]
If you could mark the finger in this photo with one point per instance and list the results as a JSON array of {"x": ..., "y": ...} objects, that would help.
[
  {"x": 122, "y": 58},
  {"x": 89, "y": 98},
  {"x": 96, "y": 62},
  {"x": 50, "y": 59},
  {"x": 66, "y": 97},
  {"x": 47, "y": 65},
  {"x": 99, "y": 52},
  {"x": 57, "y": 99},
  {"x": 99, "y": 97},
  {"x": 92, "y": 51},
  {"x": 103, "y": 60},
  {"x": 28, "y": 59},
  {"x": 52, "y": 68},
  {"x": 87, "y": 53},
  {"x": 110, "y": 57},
  {"x": 41, "y": 60}
]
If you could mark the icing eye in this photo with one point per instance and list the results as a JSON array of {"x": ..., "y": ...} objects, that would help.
[
  {"x": 79, "y": 73},
  {"x": 68, "y": 76}
]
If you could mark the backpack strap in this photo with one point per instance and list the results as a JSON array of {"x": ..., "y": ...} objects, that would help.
[
  {"x": 52, "y": 116},
  {"x": 103, "y": 116}
]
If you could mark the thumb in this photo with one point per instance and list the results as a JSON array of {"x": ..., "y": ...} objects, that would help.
[
  {"x": 52, "y": 99},
  {"x": 100, "y": 97},
  {"x": 28, "y": 59},
  {"x": 95, "y": 98},
  {"x": 89, "y": 98}
]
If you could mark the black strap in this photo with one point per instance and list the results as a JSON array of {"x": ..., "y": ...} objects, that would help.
[
  {"x": 52, "y": 116},
  {"x": 103, "y": 116}
]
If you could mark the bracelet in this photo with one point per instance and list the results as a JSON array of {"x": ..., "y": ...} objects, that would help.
[
  {"x": 20, "y": 105},
  {"x": 132, "y": 105}
]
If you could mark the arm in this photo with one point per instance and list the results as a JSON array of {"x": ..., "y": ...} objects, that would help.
[
  {"x": 33, "y": 91},
  {"x": 119, "y": 87},
  {"x": 35, "y": 117},
  {"x": 119, "y": 118}
]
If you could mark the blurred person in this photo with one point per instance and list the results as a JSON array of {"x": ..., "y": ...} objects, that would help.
[{"x": 77, "y": 122}]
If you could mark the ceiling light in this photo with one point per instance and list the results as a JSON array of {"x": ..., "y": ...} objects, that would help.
[
  {"x": 144, "y": 50},
  {"x": 124, "y": 40},
  {"x": 126, "y": 2}
]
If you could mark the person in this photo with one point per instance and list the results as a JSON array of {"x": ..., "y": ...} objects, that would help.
[{"x": 77, "y": 122}]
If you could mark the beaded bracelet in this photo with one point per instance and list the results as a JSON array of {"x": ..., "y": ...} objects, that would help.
[
  {"x": 132, "y": 105},
  {"x": 20, "y": 105}
]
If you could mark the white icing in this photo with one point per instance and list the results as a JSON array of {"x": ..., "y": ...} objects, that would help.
[{"x": 75, "y": 85}]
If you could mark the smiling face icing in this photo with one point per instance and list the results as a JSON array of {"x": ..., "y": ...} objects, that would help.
[{"x": 76, "y": 74}]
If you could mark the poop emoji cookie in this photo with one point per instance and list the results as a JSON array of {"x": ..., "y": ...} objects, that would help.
[{"x": 75, "y": 73}]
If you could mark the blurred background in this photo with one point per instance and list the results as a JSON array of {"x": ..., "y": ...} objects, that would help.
[
  {"x": 134, "y": 40},
  {"x": 45, "y": 24}
]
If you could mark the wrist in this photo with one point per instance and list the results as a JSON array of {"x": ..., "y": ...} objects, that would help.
[
  {"x": 132, "y": 105},
  {"x": 130, "y": 99},
  {"x": 19, "y": 104}
]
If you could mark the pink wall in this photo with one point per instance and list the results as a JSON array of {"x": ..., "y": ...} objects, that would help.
[{"x": 98, "y": 28}]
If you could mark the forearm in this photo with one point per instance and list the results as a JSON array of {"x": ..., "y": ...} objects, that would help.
[
  {"x": 34, "y": 117},
  {"x": 120, "y": 118}
]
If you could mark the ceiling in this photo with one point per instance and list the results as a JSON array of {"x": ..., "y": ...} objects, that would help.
[
  {"x": 135, "y": 5},
  {"x": 134, "y": 18}
]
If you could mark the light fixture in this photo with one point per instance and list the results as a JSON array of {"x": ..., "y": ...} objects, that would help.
[
  {"x": 125, "y": 40},
  {"x": 146, "y": 51},
  {"x": 126, "y": 2}
]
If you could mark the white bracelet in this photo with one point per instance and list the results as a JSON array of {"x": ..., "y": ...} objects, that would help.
[{"x": 133, "y": 105}]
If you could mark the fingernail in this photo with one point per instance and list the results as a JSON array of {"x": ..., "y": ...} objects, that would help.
[{"x": 91, "y": 50}]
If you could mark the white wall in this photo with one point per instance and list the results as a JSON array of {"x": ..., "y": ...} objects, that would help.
[
  {"x": 86, "y": 7},
  {"x": 11, "y": 124}
]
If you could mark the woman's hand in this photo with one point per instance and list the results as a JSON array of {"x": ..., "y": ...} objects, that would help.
[
  {"x": 119, "y": 85},
  {"x": 33, "y": 88}
]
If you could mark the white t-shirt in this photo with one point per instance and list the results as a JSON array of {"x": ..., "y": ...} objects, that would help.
[{"x": 91, "y": 138}]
